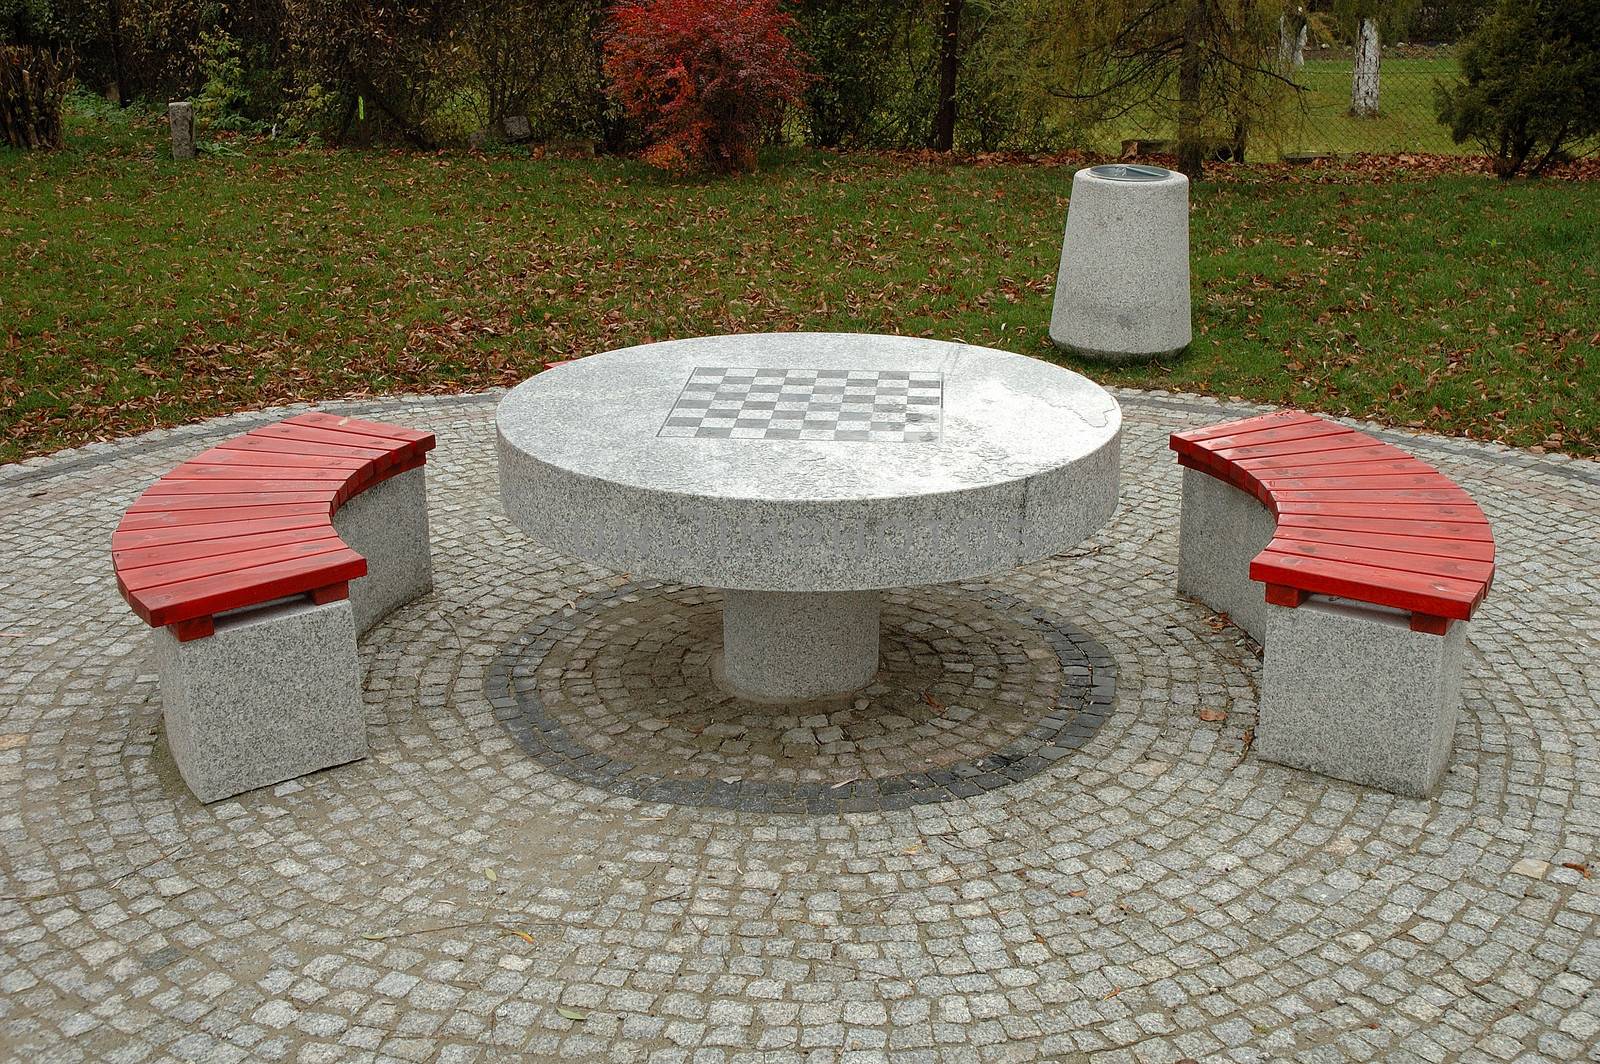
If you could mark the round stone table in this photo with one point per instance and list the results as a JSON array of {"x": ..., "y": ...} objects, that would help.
[{"x": 804, "y": 472}]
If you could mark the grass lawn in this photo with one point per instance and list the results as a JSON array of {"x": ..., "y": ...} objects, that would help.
[{"x": 137, "y": 292}]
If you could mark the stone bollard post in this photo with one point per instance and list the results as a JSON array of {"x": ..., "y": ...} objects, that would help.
[{"x": 180, "y": 116}]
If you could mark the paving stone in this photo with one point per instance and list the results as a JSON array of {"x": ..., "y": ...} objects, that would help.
[{"x": 1094, "y": 908}]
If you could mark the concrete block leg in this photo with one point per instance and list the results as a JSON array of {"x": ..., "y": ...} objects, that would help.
[
  {"x": 1221, "y": 529},
  {"x": 1350, "y": 691},
  {"x": 388, "y": 525},
  {"x": 274, "y": 694},
  {"x": 795, "y": 646}
]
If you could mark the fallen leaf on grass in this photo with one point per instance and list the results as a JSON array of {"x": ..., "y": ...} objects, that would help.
[{"x": 1212, "y": 716}]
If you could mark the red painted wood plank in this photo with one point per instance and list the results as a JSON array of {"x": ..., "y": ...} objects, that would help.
[
  {"x": 157, "y": 519},
  {"x": 134, "y": 538},
  {"x": 1426, "y": 564},
  {"x": 1380, "y": 467},
  {"x": 1456, "y": 530},
  {"x": 209, "y": 595},
  {"x": 177, "y": 572},
  {"x": 167, "y": 489},
  {"x": 1276, "y": 419},
  {"x": 1376, "y": 452},
  {"x": 1317, "y": 445},
  {"x": 284, "y": 430},
  {"x": 1378, "y": 496},
  {"x": 264, "y": 474},
  {"x": 1316, "y": 429},
  {"x": 1374, "y": 482},
  {"x": 126, "y": 559},
  {"x": 341, "y": 423},
  {"x": 1439, "y": 596},
  {"x": 1476, "y": 550},
  {"x": 1418, "y": 511},
  {"x": 259, "y": 459},
  {"x": 231, "y": 500},
  {"x": 276, "y": 445}
]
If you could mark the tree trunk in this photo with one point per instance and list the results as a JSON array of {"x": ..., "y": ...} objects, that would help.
[
  {"x": 1300, "y": 44},
  {"x": 1191, "y": 136},
  {"x": 1364, "y": 85},
  {"x": 1292, "y": 30},
  {"x": 944, "y": 119}
]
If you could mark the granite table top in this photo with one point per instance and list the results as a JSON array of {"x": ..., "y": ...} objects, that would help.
[{"x": 809, "y": 461}]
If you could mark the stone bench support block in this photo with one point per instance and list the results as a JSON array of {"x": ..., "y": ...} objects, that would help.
[
  {"x": 275, "y": 693},
  {"x": 795, "y": 646},
  {"x": 388, "y": 525},
  {"x": 1350, "y": 691},
  {"x": 1222, "y": 529}
]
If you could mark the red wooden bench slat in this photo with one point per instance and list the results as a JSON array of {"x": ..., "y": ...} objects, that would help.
[
  {"x": 1439, "y": 596},
  {"x": 1376, "y": 481},
  {"x": 275, "y": 445},
  {"x": 1477, "y": 550},
  {"x": 1425, "y": 564},
  {"x": 1384, "y": 467},
  {"x": 341, "y": 423},
  {"x": 232, "y": 472},
  {"x": 134, "y": 538},
  {"x": 1315, "y": 445},
  {"x": 1276, "y": 419},
  {"x": 128, "y": 558},
  {"x": 1416, "y": 511},
  {"x": 210, "y": 595},
  {"x": 166, "y": 574},
  {"x": 1357, "y": 518},
  {"x": 1316, "y": 429},
  {"x": 1375, "y": 496},
  {"x": 228, "y": 500},
  {"x": 164, "y": 488},
  {"x": 159, "y": 519},
  {"x": 1380, "y": 452},
  {"x": 285, "y": 430},
  {"x": 255, "y": 458},
  {"x": 1435, "y": 529}
]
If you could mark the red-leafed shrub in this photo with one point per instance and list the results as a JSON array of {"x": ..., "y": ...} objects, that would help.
[{"x": 704, "y": 77}]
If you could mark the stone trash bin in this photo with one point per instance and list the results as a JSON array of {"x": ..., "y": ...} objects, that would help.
[{"x": 1122, "y": 293}]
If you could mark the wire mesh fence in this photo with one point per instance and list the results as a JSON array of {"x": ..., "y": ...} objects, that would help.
[{"x": 1326, "y": 118}]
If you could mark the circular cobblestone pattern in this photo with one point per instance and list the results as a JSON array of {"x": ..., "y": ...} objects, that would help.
[
  {"x": 977, "y": 691},
  {"x": 1153, "y": 894}
]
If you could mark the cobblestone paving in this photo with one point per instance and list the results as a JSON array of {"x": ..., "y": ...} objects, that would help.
[{"x": 1156, "y": 895}]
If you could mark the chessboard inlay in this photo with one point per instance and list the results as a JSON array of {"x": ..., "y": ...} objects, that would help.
[{"x": 834, "y": 405}]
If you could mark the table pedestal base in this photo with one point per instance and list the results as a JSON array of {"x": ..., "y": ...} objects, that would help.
[{"x": 795, "y": 646}]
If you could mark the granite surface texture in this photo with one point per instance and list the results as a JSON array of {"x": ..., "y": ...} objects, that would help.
[
  {"x": 1156, "y": 891},
  {"x": 275, "y": 693},
  {"x": 796, "y": 646},
  {"x": 387, "y": 524},
  {"x": 1220, "y": 530},
  {"x": 1122, "y": 289},
  {"x": 1349, "y": 690},
  {"x": 1024, "y": 463}
]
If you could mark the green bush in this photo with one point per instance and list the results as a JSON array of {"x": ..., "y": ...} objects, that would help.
[{"x": 1529, "y": 89}]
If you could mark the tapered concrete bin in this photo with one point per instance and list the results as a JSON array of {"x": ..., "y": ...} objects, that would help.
[{"x": 1122, "y": 291}]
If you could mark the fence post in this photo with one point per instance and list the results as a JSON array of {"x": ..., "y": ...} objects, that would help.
[{"x": 180, "y": 116}]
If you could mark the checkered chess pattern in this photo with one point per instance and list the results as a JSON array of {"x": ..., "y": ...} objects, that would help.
[{"x": 869, "y": 406}]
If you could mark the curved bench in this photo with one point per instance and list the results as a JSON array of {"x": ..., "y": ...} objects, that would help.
[
  {"x": 258, "y": 563},
  {"x": 1371, "y": 560}
]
